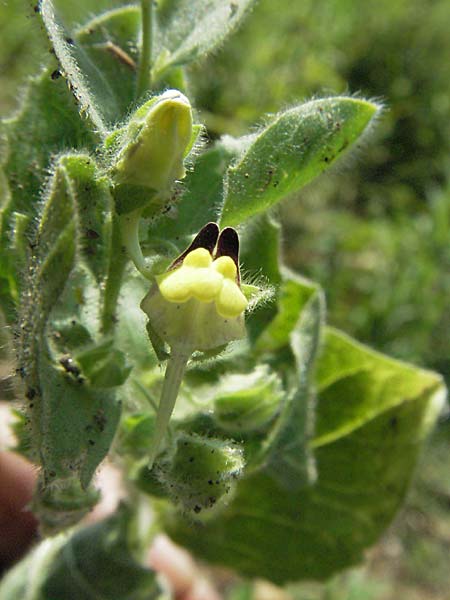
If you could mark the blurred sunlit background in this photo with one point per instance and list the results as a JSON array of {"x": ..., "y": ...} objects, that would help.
[{"x": 375, "y": 232}]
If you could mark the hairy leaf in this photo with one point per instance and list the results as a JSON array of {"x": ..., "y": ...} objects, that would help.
[
  {"x": 187, "y": 30},
  {"x": 31, "y": 139},
  {"x": 296, "y": 146},
  {"x": 75, "y": 65},
  {"x": 94, "y": 210},
  {"x": 69, "y": 425}
]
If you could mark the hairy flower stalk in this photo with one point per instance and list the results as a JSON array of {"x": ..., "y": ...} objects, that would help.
[{"x": 196, "y": 305}]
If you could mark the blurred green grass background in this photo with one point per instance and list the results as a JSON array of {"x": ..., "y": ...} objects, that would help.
[{"x": 375, "y": 232}]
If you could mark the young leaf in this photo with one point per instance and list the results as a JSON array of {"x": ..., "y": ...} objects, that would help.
[
  {"x": 295, "y": 147},
  {"x": 368, "y": 439},
  {"x": 103, "y": 365},
  {"x": 187, "y": 30}
]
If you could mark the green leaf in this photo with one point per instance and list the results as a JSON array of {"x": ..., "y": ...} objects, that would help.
[
  {"x": 295, "y": 147},
  {"x": 348, "y": 372},
  {"x": 51, "y": 261},
  {"x": 46, "y": 124},
  {"x": 31, "y": 140},
  {"x": 107, "y": 48},
  {"x": 74, "y": 64},
  {"x": 186, "y": 30},
  {"x": 246, "y": 402},
  {"x": 368, "y": 439},
  {"x": 103, "y": 365},
  {"x": 95, "y": 562},
  {"x": 69, "y": 425},
  {"x": 94, "y": 209}
]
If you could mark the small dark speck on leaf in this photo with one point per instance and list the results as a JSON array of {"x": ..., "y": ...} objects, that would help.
[
  {"x": 30, "y": 393},
  {"x": 393, "y": 422},
  {"x": 191, "y": 459},
  {"x": 197, "y": 508},
  {"x": 56, "y": 74},
  {"x": 70, "y": 41},
  {"x": 92, "y": 234}
]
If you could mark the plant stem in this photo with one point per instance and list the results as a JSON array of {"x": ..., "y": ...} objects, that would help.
[
  {"x": 145, "y": 63},
  {"x": 175, "y": 369},
  {"x": 129, "y": 229},
  {"x": 113, "y": 283}
]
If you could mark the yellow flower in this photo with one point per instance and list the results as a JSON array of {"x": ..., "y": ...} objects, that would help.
[
  {"x": 198, "y": 303},
  {"x": 207, "y": 280}
]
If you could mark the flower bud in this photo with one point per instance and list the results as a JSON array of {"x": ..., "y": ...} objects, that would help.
[
  {"x": 155, "y": 143},
  {"x": 247, "y": 402},
  {"x": 200, "y": 473}
]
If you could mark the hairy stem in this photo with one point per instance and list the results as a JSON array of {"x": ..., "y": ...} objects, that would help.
[
  {"x": 145, "y": 63},
  {"x": 175, "y": 369},
  {"x": 113, "y": 280}
]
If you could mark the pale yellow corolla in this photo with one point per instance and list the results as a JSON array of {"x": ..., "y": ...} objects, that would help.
[
  {"x": 206, "y": 280},
  {"x": 198, "y": 304}
]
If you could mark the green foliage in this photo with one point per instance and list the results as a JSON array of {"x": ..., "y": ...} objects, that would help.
[
  {"x": 293, "y": 445},
  {"x": 310, "y": 532},
  {"x": 188, "y": 30}
]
